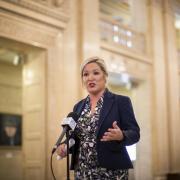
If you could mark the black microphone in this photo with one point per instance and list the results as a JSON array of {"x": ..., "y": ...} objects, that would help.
[{"x": 68, "y": 123}]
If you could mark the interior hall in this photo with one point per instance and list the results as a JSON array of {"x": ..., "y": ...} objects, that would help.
[{"x": 42, "y": 45}]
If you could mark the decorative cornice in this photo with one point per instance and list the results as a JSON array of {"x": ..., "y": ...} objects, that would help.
[
  {"x": 57, "y": 11},
  {"x": 25, "y": 32}
]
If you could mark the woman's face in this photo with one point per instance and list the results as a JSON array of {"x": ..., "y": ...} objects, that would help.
[{"x": 93, "y": 78}]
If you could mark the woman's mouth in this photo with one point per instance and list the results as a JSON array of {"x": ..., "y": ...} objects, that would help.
[{"x": 91, "y": 85}]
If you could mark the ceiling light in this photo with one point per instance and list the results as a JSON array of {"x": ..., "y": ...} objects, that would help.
[
  {"x": 16, "y": 60},
  {"x": 177, "y": 24},
  {"x": 129, "y": 33},
  {"x": 129, "y": 44},
  {"x": 115, "y": 28},
  {"x": 116, "y": 39}
]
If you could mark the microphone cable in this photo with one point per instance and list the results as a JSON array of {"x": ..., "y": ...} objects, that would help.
[
  {"x": 51, "y": 165},
  {"x": 69, "y": 123}
]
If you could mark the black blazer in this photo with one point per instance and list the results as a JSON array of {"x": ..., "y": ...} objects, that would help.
[{"x": 112, "y": 154}]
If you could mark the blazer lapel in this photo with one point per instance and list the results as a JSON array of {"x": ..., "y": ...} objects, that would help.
[{"x": 107, "y": 104}]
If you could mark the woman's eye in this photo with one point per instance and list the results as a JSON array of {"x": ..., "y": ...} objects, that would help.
[
  {"x": 85, "y": 74},
  {"x": 96, "y": 73}
]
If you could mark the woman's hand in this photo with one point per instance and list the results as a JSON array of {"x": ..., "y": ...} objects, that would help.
[
  {"x": 62, "y": 150},
  {"x": 114, "y": 133}
]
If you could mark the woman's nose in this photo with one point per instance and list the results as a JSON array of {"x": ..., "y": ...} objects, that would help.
[{"x": 90, "y": 77}]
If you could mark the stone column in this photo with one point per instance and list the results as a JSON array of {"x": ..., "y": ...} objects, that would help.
[
  {"x": 88, "y": 31},
  {"x": 160, "y": 127},
  {"x": 172, "y": 87},
  {"x": 139, "y": 15}
]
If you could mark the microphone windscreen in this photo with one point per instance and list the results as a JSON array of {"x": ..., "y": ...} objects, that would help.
[{"x": 73, "y": 115}]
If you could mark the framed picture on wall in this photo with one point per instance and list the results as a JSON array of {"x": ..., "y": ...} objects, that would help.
[{"x": 10, "y": 129}]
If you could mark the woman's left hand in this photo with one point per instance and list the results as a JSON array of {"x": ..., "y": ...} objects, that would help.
[{"x": 114, "y": 133}]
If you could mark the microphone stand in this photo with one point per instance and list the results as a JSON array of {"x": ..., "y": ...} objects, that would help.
[{"x": 67, "y": 168}]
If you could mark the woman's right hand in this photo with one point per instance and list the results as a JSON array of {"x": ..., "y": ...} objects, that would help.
[{"x": 62, "y": 150}]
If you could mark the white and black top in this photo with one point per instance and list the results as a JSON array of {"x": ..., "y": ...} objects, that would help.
[{"x": 87, "y": 167}]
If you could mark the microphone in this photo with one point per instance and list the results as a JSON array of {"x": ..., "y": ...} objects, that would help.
[
  {"x": 68, "y": 123},
  {"x": 71, "y": 143}
]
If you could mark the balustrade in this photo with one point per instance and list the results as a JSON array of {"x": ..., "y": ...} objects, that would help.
[{"x": 115, "y": 33}]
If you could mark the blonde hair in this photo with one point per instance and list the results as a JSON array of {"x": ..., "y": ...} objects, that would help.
[{"x": 100, "y": 62}]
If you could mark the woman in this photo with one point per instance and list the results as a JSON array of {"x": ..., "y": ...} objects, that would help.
[{"x": 106, "y": 125}]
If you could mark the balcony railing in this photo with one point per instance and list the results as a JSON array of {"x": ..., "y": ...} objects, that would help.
[{"x": 117, "y": 34}]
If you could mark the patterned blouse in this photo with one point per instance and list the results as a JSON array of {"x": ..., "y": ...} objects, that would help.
[{"x": 88, "y": 168}]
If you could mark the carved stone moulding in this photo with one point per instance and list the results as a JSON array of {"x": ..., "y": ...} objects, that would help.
[
  {"x": 25, "y": 33},
  {"x": 52, "y": 10}
]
